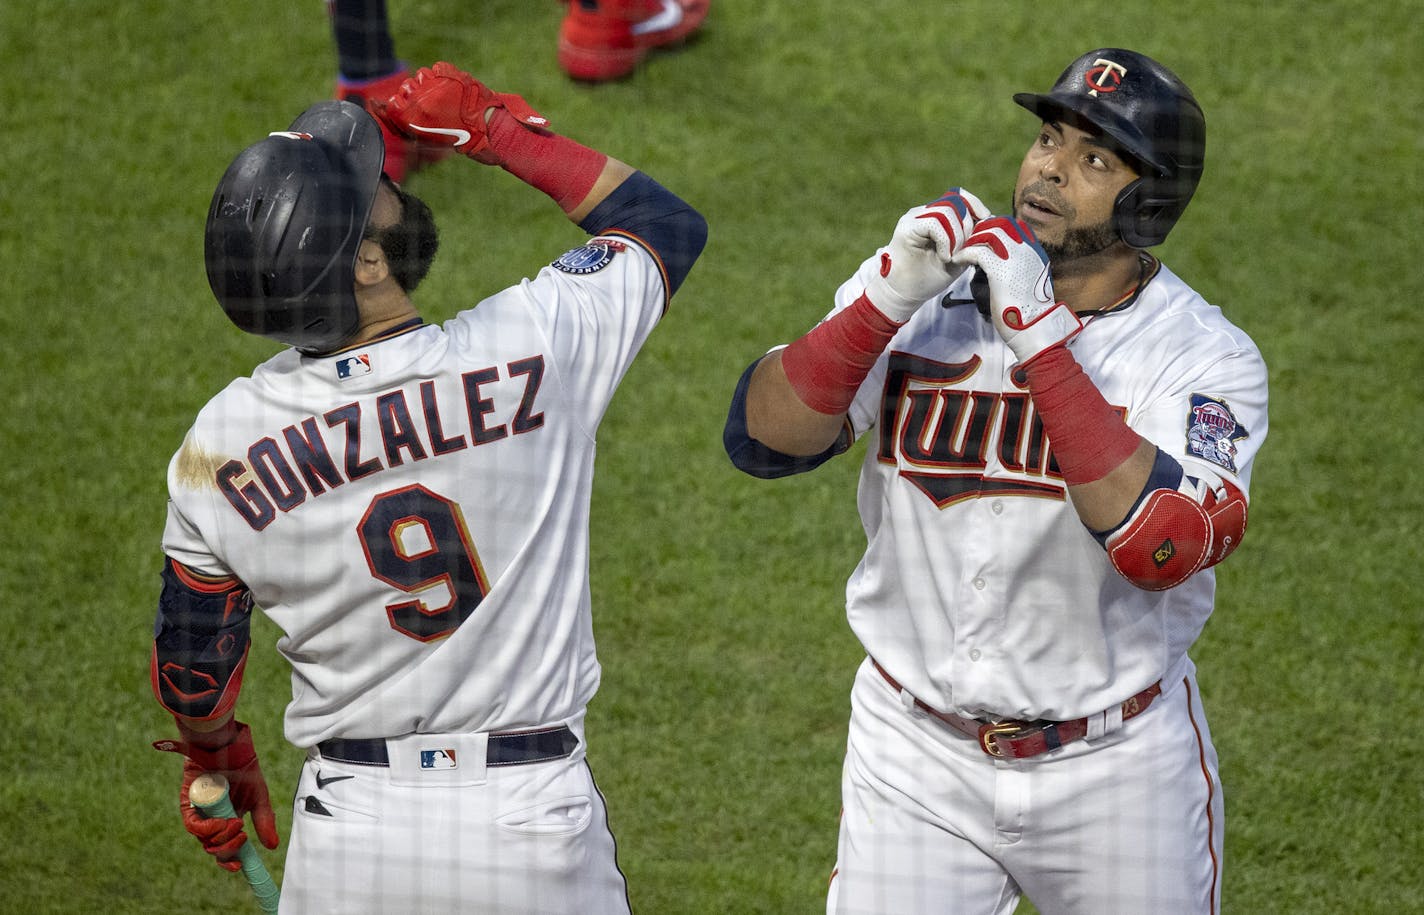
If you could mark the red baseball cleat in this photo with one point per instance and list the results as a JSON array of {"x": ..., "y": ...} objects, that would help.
[
  {"x": 403, "y": 156},
  {"x": 606, "y": 39}
]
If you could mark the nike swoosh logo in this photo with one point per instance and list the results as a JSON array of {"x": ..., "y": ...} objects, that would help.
[
  {"x": 669, "y": 17},
  {"x": 461, "y": 136},
  {"x": 1042, "y": 290},
  {"x": 323, "y": 782}
]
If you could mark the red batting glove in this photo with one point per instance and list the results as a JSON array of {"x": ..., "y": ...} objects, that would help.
[
  {"x": 443, "y": 105},
  {"x": 227, "y": 752}
]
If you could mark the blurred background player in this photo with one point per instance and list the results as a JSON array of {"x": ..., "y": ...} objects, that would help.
[
  {"x": 409, "y": 504},
  {"x": 607, "y": 39},
  {"x": 599, "y": 40},
  {"x": 1059, "y": 459}
]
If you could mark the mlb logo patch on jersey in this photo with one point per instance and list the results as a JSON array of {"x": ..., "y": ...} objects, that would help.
[
  {"x": 1213, "y": 431},
  {"x": 353, "y": 366},
  {"x": 591, "y": 258},
  {"x": 438, "y": 759}
]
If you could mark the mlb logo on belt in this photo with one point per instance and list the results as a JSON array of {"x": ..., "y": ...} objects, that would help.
[{"x": 438, "y": 759}]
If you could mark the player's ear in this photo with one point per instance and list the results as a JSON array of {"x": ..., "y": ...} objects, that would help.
[{"x": 371, "y": 265}]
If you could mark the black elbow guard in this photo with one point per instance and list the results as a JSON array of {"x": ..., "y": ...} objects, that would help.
[{"x": 200, "y": 642}]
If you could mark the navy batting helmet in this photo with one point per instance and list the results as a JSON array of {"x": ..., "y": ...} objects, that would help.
[
  {"x": 1149, "y": 114},
  {"x": 285, "y": 224}
]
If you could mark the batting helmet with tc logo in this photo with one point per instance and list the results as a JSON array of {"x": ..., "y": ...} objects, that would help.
[{"x": 1150, "y": 115}]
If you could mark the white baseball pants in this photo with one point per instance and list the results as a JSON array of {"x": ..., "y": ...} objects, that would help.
[{"x": 1128, "y": 823}]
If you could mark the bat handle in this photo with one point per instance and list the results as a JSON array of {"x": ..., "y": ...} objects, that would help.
[{"x": 263, "y": 886}]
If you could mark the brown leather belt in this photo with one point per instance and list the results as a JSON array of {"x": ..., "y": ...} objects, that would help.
[{"x": 1022, "y": 739}]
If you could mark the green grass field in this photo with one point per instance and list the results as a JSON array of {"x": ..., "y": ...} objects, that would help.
[{"x": 802, "y": 130}]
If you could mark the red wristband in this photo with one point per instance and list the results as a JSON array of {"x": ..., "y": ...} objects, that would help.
[
  {"x": 209, "y": 740},
  {"x": 556, "y": 165},
  {"x": 827, "y": 365},
  {"x": 1089, "y": 437}
]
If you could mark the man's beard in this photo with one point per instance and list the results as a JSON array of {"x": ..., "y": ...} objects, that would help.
[{"x": 1079, "y": 242}]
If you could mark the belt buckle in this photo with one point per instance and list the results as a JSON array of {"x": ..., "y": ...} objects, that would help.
[{"x": 994, "y": 729}]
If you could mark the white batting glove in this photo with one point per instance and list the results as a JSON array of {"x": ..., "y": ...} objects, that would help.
[
  {"x": 916, "y": 267},
  {"x": 1021, "y": 300}
]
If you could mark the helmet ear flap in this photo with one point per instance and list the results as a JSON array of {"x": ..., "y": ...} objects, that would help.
[{"x": 1145, "y": 211}]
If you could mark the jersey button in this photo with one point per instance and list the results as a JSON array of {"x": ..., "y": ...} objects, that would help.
[
  {"x": 979, "y": 584},
  {"x": 974, "y": 655}
]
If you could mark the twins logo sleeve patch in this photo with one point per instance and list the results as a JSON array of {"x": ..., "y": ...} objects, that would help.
[{"x": 1213, "y": 431}]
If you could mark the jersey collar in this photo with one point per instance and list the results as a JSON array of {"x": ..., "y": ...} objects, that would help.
[{"x": 403, "y": 328}]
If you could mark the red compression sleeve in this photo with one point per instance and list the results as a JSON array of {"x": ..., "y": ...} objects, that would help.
[
  {"x": 556, "y": 165},
  {"x": 1089, "y": 437},
  {"x": 826, "y": 366}
]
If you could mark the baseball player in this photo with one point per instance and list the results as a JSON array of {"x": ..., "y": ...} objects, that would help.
[
  {"x": 409, "y": 504},
  {"x": 1057, "y": 460}
]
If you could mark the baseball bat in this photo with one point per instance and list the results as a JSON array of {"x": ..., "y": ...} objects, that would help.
[{"x": 208, "y": 793}]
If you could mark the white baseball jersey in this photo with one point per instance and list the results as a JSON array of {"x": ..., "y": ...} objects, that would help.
[
  {"x": 413, "y": 512},
  {"x": 980, "y": 588}
]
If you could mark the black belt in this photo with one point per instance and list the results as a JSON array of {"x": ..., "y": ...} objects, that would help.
[{"x": 508, "y": 748}]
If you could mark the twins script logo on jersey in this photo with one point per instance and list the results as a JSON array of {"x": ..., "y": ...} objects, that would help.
[
  {"x": 352, "y": 366},
  {"x": 1212, "y": 431},
  {"x": 1104, "y": 76},
  {"x": 438, "y": 759},
  {"x": 591, "y": 258},
  {"x": 953, "y": 442}
]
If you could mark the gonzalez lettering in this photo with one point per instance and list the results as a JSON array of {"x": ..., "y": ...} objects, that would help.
[{"x": 279, "y": 472}]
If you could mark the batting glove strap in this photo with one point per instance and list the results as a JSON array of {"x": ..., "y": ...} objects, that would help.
[
  {"x": 227, "y": 748},
  {"x": 1047, "y": 330}
]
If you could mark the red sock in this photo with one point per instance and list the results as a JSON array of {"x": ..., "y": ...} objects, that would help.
[
  {"x": 1089, "y": 437},
  {"x": 827, "y": 365},
  {"x": 556, "y": 165}
]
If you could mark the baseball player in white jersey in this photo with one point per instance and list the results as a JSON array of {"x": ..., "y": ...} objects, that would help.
[
  {"x": 1056, "y": 462},
  {"x": 409, "y": 504}
]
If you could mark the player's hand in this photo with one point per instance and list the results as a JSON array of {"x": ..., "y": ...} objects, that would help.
[
  {"x": 442, "y": 105},
  {"x": 916, "y": 266},
  {"x": 1021, "y": 301},
  {"x": 235, "y": 760}
]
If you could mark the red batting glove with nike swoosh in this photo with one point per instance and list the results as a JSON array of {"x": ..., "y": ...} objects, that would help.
[
  {"x": 443, "y": 105},
  {"x": 228, "y": 752},
  {"x": 1021, "y": 300}
]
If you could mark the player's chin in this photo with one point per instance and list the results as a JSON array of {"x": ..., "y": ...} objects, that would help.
[{"x": 1048, "y": 228}]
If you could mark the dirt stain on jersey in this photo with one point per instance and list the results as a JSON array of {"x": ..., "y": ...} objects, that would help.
[{"x": 196, "y": 468}]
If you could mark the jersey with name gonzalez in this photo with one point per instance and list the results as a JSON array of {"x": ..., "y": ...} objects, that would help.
[{"x": 412, "y": 512}]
